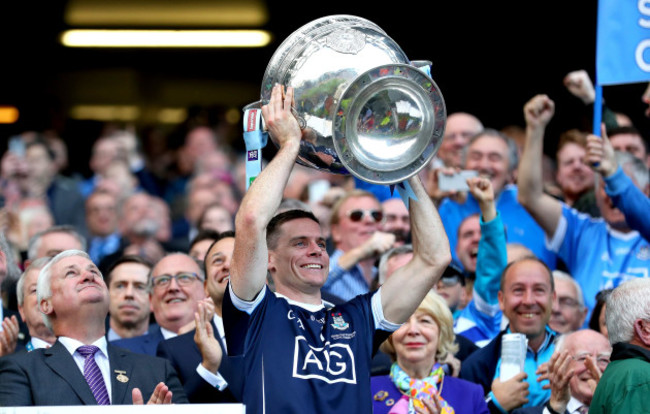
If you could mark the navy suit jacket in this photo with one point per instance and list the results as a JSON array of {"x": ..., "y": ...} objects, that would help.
[
  {"x": 533, "y": 410},
  {"x": 185, "y": 356},
  {"x": 51, "y": 377},
  {"x": 143, "y": 344}
]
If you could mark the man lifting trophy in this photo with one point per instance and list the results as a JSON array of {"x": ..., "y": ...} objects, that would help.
[{"x": 338, "y": 95}]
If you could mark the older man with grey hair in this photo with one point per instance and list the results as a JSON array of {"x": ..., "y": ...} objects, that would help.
[
  {"x": 53, "y": 241},
  {"x": 574, "y": 370},
  {"x": 81, "y": 368},
  {"x": 494, "y": 155},
  {"x": 569, "y": 310},
  {"x": 625, "y": 385},
  {"x": 41, "y": 335},
  {"x": 176, "y": 288}
]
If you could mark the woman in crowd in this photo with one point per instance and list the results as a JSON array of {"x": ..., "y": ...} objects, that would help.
[
  {"x": 417, "y": 382},
  {"x": 597, "y": 320}
]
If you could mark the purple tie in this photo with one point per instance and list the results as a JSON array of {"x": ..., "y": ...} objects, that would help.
[{"x": 93, "y": 374}]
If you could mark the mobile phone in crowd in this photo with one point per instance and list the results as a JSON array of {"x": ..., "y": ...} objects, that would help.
[
  {"x": 455, "y": 182},
  {"x": 17, "y": 146}
]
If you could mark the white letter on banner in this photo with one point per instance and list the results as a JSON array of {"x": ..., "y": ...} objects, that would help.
[
  {"x": 643, "y": 65},
  {"x": 644, "y": 9}
]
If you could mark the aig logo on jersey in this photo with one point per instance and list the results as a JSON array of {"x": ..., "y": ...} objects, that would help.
[{"x": 331, "y": 363}]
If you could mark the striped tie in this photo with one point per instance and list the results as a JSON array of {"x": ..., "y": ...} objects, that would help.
[{"x": 93, "y": 374}]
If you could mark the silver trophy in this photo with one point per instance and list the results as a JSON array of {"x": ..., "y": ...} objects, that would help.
[{"x": 364, "y": 108}]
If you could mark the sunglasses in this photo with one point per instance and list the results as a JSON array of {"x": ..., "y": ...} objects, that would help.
[
  {"x": 359, "y": 214},
  {"x": 450, "y": 280}
]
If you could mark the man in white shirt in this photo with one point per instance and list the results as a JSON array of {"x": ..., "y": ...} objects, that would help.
[
  {"x": 176, "y": 289},
  {"x": 41, "y": 335},
  {"x": 81, "y": 368},
  {"x": 195, "y": 372},
  {"x": 129, "y": 287},
  {"x": 574, "y": 370}
]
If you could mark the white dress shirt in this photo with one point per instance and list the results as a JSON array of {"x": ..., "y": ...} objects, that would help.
[{"x": 101, "y": 357}]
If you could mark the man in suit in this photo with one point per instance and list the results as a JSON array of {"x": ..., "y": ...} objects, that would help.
[
  {"x": 81, "y": 368},
  {"x": 182, "y": 350},
  {"x": 128, "y": 286},
  {"x": 41, "y": 335},
  {"x": 177, "y": 288},
  {"x": 574, "y": 370}
]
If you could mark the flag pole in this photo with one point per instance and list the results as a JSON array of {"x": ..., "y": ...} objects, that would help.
[{"x": 598, "y": 110}]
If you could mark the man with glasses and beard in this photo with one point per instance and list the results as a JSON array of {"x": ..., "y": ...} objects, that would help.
[{"x": 358, "y": 243}]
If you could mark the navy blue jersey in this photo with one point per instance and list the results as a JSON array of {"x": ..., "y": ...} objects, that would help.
[{"x": 305, "y": 361}]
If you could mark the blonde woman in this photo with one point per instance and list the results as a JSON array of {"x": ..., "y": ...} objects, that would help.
[{"x": 417, "y": 382}]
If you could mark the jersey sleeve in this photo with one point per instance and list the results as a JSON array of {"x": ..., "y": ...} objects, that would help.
[
  {"x": 628, "y": 198},
  {"x": 492, "y": 259},
  {"x": 239, "y": 320},
  {"x": 566, "y": 240}
]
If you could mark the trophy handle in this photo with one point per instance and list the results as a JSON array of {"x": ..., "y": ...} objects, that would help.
[{"x": 256, "y": 105}]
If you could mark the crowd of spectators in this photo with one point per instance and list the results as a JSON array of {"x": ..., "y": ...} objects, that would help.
[{"x": 561, "y": 257}]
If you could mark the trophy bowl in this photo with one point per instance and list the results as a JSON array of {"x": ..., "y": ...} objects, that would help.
[{"x": 363, "y": 107}]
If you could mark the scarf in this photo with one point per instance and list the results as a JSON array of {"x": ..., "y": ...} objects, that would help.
[{"x": 418, "y": 389}]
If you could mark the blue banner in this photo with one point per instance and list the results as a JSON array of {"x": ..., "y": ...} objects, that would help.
[{"x": 623, "y": 42}]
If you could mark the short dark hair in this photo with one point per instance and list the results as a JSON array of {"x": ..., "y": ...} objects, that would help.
[
  {"x": 273, "y": 228},
  {"x": 601, "y": 300},
  {"x": 127, "y": 259},
  {"x": 631, "y": 131},
  {"x": 205, "y": 234},
  {"x": 218, "y": 238},
  {"x": 524, "y": 259}
]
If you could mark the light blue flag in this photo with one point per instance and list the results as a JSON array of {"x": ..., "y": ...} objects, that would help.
[{"x": 623, "y": 42}]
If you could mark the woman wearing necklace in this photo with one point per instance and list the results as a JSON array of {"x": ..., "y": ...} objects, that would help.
[{"x": 417, "y": 382}]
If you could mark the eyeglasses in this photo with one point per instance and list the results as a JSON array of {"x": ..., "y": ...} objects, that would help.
[
  {"x": 358, "y": 214},
  {"x": 568, "y": 303},
  {"x": 602, "y": 361},
  {"x": 183, "y": 279}
]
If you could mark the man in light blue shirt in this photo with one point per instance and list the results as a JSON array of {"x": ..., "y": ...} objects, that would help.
[
  {"x": 358, "y": 243},
  {"x": 599, "y": 253}
]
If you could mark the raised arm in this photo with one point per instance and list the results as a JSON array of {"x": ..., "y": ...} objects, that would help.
[
  {"x": 545, "y": 209},
  {"x": 492, "y": 254},
  {"x": 406, "y": 288},
  {"x": 623, "y": 192},
  {"x": 250, "y": 257}
]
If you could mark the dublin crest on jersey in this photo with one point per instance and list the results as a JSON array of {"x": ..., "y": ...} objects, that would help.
[
  {"x": 643, "y": 253},
  {"x": 339, "y": 322}
]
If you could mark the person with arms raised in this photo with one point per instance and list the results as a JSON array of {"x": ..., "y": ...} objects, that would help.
[{"x": 301, "y": 354}]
